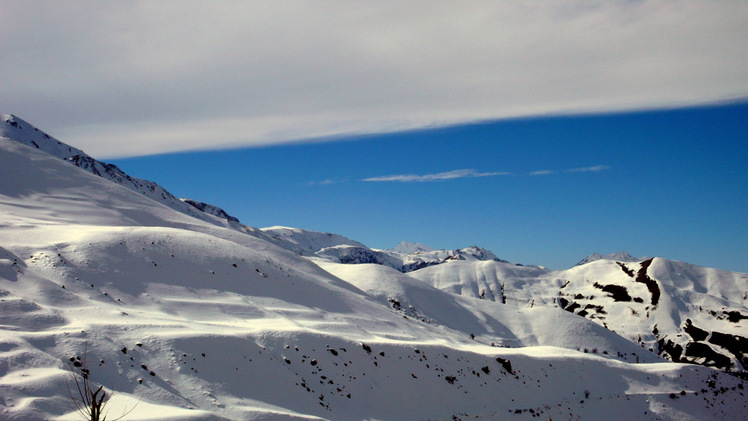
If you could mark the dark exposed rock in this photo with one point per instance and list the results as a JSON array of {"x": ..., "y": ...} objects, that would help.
[
  {"x": 694, "y": 332},
  {"x": 673, "y": 350},
  {"x": 697, "y": 350},
  {"x": 506, "y": 364},
  {"x": 626, "y": 270},
  {"x": 642, "y": 277},
  {"x": 572, "y": 307},
  {"x": 737, "y": 345},
  {"x": 733, "y": 316},
  {"x": 395, "y": 304},
  {"x": 617, "y": 292}
]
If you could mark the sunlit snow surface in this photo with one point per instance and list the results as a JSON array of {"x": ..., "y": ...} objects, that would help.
[{"x": 187, "y": 318}]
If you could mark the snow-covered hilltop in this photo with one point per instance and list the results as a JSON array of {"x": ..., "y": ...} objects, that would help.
[
  {"x": 679, "y": 311},
  {"x": 409, "y": 248},
  {"x": 402, "y": 261},
  {"x": 184, "y": 313},
  {"x": 620, "y": 256},
  {"x": 657, "y": 303},
  {"x": 15, "y": 128}
]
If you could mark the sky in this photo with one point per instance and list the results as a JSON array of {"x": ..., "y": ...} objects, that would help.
[
  {"x": 541, "y": 130},
  {"x": 543, "y": 190}
]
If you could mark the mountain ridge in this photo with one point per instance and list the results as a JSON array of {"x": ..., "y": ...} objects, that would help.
[
  {"x": 21, "y": 131},
  {"x": 621, "y": 256},
  {"x": 410, "y": 248}
]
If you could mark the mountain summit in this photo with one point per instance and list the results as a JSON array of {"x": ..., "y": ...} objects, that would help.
[
  {"x": 620, "y": 256},
  {"x": 405, "y": 247},
  {"x": 15, "y": 128}
]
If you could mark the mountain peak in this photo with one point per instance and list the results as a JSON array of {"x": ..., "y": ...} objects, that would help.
[
  {"x": 306, "y": 242},
  {"x": 410, "y": 248},
  {"x": 17, "y": 129},
  {"x": 620, "y": 256}
]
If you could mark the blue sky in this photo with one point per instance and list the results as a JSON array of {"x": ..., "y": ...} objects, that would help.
[
  {"x": 544, "y": 190},
  {"x": 235, "y": 103}
]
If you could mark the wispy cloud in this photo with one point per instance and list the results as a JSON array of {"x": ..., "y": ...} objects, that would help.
[
  {"x": 326, "y": 182},
  {"x": 595, "y": 168},
  {"x": 542, "y": 172},
  {"x": 449, "y": 175}
]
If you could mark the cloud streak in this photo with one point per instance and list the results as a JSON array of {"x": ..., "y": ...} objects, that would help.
[
  {"x": 595, "y": 168},
  {"x": 542, "y": 172},
  {"x": 326, "y": 182},
  {"x": 443, "y": 176},
  {"x": 136, "y": 78}
]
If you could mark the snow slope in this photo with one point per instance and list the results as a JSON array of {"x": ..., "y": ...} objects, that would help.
[
  {"x": 15, "y": 128},
  {"x": 679, "y": 311},
  {"x": 305, "y": 242},
  {"x": 185, "y": 318},
  {"x": 658, "y": 303}
]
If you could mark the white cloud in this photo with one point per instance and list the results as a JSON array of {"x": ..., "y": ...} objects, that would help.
[
  {"x": 449, "y": 175},
  {"x": 124, "y": 78},
  {"x": 542, "y": 172},
  {"x": 326, "y": 182},
  {"x": 595, "y": 168}
]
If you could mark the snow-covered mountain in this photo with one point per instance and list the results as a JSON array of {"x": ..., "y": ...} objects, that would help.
[
  {"x": 409, "y": 248},
  {"x": 15, "y": 128},
  {"x": 679, "y": 311},
  {"x": 185, "y": 315},
  {"x": 306, "y": 242},
  {"x": 620, "y": 256},
  {"x": 403, "y": 262}
]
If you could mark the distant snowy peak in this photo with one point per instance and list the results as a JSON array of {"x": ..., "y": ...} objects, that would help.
[
  {"x": 356, "y": 255},
  {"x": 619, "y": 256},
  {"x": 23, "y": 132},
  {"x": 478, "y": 253},
  {"x": 467, "y": 253},
  {"x": 405, "y": 263},
  {"x": 409, "y": 248},
  {"x": 306, "y": 242},
  {"x": 420, "y": 260},
  {"x": 406, "y": 257}
]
